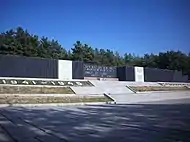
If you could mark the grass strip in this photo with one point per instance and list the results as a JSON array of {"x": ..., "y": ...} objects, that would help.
[
  {"x": 34, "y": 90},
  {"x": 158, "y": 88},
  {"x": 49, "y": 99}
]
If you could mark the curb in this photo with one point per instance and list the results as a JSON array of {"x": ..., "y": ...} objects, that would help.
[
  {"x": 110, "y": 97},
  {"x": 52, "y": 104},
  {"x": 131, "y": 89},
  {"x": 41, "y": 95}
]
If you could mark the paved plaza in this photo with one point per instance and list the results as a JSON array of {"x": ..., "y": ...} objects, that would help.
[{"x": 96, "y": 123}]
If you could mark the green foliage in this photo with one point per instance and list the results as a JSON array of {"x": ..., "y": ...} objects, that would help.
[
  {"x": 82, "y": 52},
  {"x": 20, "y": 42}
]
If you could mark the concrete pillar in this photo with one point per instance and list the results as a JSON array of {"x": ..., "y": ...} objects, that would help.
[
  {"x": 139, "y": 74},
  {"x": 65, "y": 70}
]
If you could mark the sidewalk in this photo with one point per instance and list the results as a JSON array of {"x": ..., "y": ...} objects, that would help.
[{"x": 149, "y": 97}]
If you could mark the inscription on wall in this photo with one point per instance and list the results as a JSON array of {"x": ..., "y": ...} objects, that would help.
[
  {"x": 99, "y": 71},
  {"x": 44, "y": 82}
]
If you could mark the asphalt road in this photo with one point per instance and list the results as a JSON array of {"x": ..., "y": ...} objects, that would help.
[{"x": 102, "y": 123}]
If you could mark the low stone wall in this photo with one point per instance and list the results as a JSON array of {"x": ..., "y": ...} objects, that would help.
[{"x": 42, "y": 82}]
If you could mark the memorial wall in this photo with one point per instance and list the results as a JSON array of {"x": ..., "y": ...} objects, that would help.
[
  {"x": 30, "y": 67},
  {"x": 27, "y": 67},
  {"x": 99, "y": 71},
  {"x": 126, "y": 73},
  {"x": 15, "y": 66},
  {"x": 77, "y": 72},
  {"x": 164, "y": 75}
]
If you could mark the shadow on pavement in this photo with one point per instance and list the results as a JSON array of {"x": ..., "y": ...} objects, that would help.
[{"x": 102, "y": 123}]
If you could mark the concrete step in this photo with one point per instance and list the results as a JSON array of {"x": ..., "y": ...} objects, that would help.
[
  {"x": 87, "y": 90},
  {"x": 101, "y": 87},
  {"x": 100, "y": 90},
  {"x": 124, "y": 83},
  {"x": 113, "y": 87}
]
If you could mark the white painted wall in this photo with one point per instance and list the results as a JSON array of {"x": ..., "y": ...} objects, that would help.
[
  {"x": 139, "y": 74},
  {"x": 65, "y": 70}
]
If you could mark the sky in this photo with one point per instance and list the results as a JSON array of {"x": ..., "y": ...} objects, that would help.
[{"x": 126, "y": 26}]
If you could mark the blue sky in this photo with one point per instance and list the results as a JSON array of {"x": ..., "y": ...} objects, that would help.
[{"x": 132, "y": 26}]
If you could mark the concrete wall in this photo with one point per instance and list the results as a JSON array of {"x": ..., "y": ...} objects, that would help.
[
  {"x": 65, "y": 69},
  {"x": 139, "y": 74}
]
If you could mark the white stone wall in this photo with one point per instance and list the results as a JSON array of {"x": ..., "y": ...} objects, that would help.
[
  {"x": 65, "y": 70},
  {"x": 139, "y": 74}
]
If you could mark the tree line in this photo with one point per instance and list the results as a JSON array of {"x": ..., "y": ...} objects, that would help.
[{"x": 20, "y": 42}]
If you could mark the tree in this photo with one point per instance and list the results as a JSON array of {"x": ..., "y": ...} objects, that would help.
[
  {"x": 82, "y": 52},
  {"x": 128, "y": 58},
  {"x": 150, "y": 60},
  {"x": 77, "y": 51},
  {"x": 20, "y": 42},
  {"x": 119, "y": 60},
  {"x": 97, "y": 57}
]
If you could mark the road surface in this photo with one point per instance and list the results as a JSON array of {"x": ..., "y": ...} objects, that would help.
[{"x": 99, "y": 123}]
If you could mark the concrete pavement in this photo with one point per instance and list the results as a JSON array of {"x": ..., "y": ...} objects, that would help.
[{"x": 130, "y": 98}]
